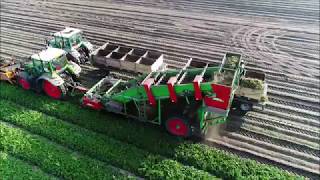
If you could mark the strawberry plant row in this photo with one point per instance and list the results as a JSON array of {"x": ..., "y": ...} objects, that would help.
[
  {"x": 13, "y": 168},
  {"x": 51, "y": 158},
  {"x": 140, "y": 136},
  {"x": 95, "y": 145}
]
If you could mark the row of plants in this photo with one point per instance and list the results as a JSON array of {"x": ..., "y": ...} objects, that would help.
[
  {"x": 227, "y": 165},
  {"x": 95, "y": 145},
  {"x": 51, "y": 158},
  {"x": 146, "y": 138},
  {"x": 167, "y": 169},
  {"x": 13, "y": 168}
]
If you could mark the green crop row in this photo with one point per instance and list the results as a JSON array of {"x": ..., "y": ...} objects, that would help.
[
  {"x": 12, "y": 168},
  {"x": 119, "y": 154},
  {"x": 165, "y": 169},
  {"x": 51, "y": 158},
  {"x": 146, "y": 138},
  {"x": 227, "y": 165}
]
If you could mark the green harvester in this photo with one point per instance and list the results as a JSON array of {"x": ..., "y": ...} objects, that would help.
[{"x": 186, "y": 101}]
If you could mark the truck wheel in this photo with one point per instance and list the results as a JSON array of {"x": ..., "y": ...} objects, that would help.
[
  {"x": 24, "y": 83},
  {"x": 55, "y": 92},
  {"x": 178, "y": 126}
]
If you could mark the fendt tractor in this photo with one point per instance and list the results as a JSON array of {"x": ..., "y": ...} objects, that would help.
[
  {"x": 51, "y": 72},
  {"x": 139, "y": 85},
  {"x": 71, "y": 40}
]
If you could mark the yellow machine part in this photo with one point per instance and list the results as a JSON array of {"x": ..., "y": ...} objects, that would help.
[{"x": 7, "y": 76}]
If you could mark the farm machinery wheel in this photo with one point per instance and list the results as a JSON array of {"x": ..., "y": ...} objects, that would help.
[
  {"x": 70, "y": 57},
  {"x": 245, "y": 107},
  {"x": 178, "y": 126},
  {"x": 55, "y": 92},
  {"x": 24, "y": 83},
  {"x": 83, "y": 56},
  {"x": 241, "y": 106}
]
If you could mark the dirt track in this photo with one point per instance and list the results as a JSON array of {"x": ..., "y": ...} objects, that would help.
[{"x": 278, "y": 37}]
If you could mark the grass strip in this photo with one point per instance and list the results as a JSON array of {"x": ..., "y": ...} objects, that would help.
[
  {"x": 95, "y": 145},
  {"x": 150, "y": 139},
  {"x": 51, "y": 158},
  {"x": 13, "y": 168}
]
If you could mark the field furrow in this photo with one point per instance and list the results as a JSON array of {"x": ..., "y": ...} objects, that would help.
[{"x": 280, "y": 38}]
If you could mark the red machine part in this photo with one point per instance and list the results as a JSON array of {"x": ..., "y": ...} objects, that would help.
[
  {"x": 178, "y": 127},
  {"x": 172, "y": 93},
  {"x": 92, "y": 103},
  {"x": 52, "y": 90},
  {"x": 147, "y": 86},
  {"x": 222, "y": 93},
  {"x": 24, "y": 83},
  {"x": 196, "y": 85},
  {"x": 58, "y": 67},
  {"x": 81, "y": 89}
]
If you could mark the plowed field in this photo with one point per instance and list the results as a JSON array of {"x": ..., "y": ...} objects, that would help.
[{"x": 280, "y": 38}]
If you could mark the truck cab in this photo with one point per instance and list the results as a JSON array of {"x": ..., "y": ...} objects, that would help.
[{"x": 71, "y": 40}]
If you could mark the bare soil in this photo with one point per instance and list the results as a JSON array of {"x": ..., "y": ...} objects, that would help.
[{"x": 278, "y": 37}]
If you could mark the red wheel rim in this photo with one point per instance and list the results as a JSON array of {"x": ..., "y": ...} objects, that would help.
[
  {"x": 177, "y": 127},
  {"x": 24, "y": 84},
  {"x": 51, "y": 90}
]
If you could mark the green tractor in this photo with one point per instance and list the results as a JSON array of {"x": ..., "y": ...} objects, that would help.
[
  {"x": 71, "y": 40},
  {"x": 50, "y": 72}
]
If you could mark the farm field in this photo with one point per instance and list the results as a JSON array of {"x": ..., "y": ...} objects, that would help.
[{"x": 280, "y": 38}]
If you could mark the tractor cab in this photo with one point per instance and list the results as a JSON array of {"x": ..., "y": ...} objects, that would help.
[
  {"x": 72, "y": 41},
  {"x": 50, "y": 61},
  {"x": 50, "y": 72}
]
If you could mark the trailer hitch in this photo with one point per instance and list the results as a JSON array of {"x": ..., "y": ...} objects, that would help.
[{"x": 76, "y": 88}]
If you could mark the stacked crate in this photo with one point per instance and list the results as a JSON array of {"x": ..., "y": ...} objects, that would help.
[{"x": 127, "y": 58}]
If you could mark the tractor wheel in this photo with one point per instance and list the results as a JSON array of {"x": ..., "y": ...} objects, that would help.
[
  {"x": 244, "y": 107},
  {"x": 84, "y": 53},
  {"x": 24, "y": 83},
  {"x": 55, "y": 92},
  {"x": 70, "y": 57},
  {"x": 178, "y": 126}
]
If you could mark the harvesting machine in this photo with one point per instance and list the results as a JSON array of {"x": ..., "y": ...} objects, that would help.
[
  {"x": 186, "y": 101},
  {"x": 72, "y": 41},
  {"x": 138, "y": 84}
]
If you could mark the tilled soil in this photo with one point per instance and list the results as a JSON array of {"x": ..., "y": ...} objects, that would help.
[{"x": 280, "y": 38}]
